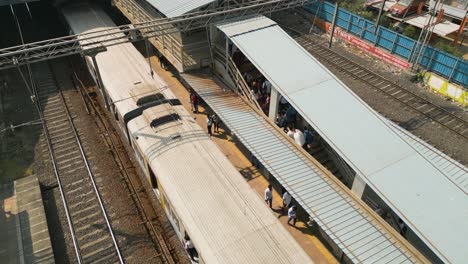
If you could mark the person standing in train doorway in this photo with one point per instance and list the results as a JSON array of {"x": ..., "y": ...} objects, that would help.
[
  {"x": 269, "y": 196},
  {"x": 209, "y": 124},
  {"x": 292, "y": 215},
  {"x": 190, "y": 248}
]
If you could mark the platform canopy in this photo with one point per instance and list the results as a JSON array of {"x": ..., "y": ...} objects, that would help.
[
  {"x": 422, "y": 194},
  {"x": 173, "y": 8}
]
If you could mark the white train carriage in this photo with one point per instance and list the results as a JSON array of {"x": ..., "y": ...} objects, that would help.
[{"x": 203, "y": 194}]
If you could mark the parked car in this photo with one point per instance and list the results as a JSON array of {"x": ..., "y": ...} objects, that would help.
[{"x": 405, "y": 7}]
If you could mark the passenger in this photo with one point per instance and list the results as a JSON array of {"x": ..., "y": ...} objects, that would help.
[
  {"x": 267, "y": 86},
  {"x": 286, "y": 200},
  {"x": 190, "y": 248},
  {"x": 162, "y": 61},
  {"x": 248, "y": 77},
  {"x": 291, "y": 132},
  {"x": 299, "y": 138},
  {"x": 194, "y": 101},
  {"x": 215, "y": 119},
  {"x": 402, "y": 227},
  {"x": 269, "y": 196},
  {"x": 292, "y": 215},
  {"x": 309, "y": 137},
  {"x": 279, "y": 119},
  {"x": 209, "y": 124}
]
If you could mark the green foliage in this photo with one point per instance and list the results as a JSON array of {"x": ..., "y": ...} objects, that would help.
[
  {"x": 354, "y": 6},
  {"x": 385, "y": 21},
  {"x": 412, "y": 32},
  {"x": 447, "y": 47}
]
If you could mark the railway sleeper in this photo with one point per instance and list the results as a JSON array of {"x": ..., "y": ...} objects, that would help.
[
  {"x": 92, "y": 243},
  {"x": 64, "y": 164},
  {"x": 105, "y": 251},
  {"x": 86, "y": 210},
  {"x": 67, "y": 154},
  {"x": 84, "y": 202},
  {"x": 104, "y": 259},
  {"x": 55, "y": 142},
  {"x": 58, "y": 126},
  {"x": 65, "y": 148},
  {"x": 47, "y": 92},
  {"x": 91, "y": 217},
  {"x": 45, "y": 101},
  {"x": 56, "y": 121},
  {"x": 58, "y": 131},
  {"x": 71, "y": 190}
]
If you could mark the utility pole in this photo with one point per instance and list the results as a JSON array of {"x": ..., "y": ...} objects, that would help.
[
  {"x": 378, "y": 17},
  {"x": 149, "y": 57},
  {"x": 335, "y": 16}
]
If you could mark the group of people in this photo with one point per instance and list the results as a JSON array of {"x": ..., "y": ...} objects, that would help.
[
  {"x": 212, "y": 121},
  {"x": 261, "y": 89},
  {"x": 287, "y": 203}
]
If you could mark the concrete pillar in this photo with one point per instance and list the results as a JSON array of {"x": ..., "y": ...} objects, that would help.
[
  {"x": 358, "y": 186},
  {"x": 274, "y": 103}
]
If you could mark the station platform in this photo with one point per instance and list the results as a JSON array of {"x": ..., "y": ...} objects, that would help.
[
  {"x": 350, "y": 225},
  {"x": 23, "y": 225}
]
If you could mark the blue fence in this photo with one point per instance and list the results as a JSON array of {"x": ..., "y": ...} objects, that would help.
[{"x": 453, "y": 68}]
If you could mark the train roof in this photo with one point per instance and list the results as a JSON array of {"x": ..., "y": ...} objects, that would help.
[{"x": 227, "y": 221}]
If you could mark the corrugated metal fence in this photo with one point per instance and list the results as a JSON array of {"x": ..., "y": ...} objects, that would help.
[{"x": 453, "y": 68}]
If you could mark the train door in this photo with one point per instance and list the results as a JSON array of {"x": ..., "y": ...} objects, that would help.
[{"x": 151, "y": 176}]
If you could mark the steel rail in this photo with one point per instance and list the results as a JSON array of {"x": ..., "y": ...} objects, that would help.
[
  {"x": 119, "y": 159},
  {"x": 91, "y": 177},
  {"x": 56, "y": 173},
  {"x": 76, "y": 44}
]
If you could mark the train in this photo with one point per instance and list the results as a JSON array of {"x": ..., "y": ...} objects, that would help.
[{"x": 204, "y": 196}]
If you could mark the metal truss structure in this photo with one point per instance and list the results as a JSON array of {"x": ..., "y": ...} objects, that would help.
[{"x": 78, "y": 44}]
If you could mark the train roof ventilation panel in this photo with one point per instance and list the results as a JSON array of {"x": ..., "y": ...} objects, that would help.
[
  {"x": 143, "y": 94},
  {"x": 161, "y": 116}
]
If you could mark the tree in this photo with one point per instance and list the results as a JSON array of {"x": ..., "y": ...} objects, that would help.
[{"x": 412, "y": 32}]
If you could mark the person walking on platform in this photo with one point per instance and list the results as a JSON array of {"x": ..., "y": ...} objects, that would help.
[
  {"x": 194, "y": 102},
  {"x": 162, "y": 61},
  {"x": 209, "y": 124},
  {"x": 292, "y": 215},
  {"x": 269, "y": 196},
  {"x": 215, "y": 123},
  {"x": 286, "y": 200}
]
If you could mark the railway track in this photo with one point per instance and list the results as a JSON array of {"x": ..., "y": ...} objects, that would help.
[
  {"x": 136, "y": 187},
  {"x": 91, "y": 232},
  {"x": 396, "y": 92}
]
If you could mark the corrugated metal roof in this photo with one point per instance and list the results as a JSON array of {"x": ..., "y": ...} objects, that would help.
[
  {"x": 360, "y": 237},
  {"x": 417, "y": 190},
  {"x": 455, "y": 171},
  {"x": 173, "y": 8}
]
